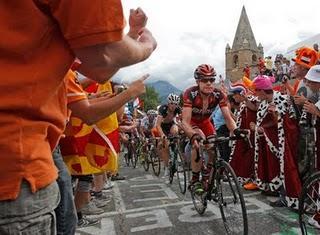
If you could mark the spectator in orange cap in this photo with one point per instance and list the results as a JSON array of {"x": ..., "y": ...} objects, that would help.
[{"x": 35, "y": 57}]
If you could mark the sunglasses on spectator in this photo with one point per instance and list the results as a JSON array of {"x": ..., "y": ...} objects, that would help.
[{"x": 205, "y": 80}]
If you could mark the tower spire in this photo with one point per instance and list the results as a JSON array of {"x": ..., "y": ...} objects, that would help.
[{"x": 244, "y": 38}]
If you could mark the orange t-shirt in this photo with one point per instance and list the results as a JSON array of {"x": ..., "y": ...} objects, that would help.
[{"x": 36, "y": 44}]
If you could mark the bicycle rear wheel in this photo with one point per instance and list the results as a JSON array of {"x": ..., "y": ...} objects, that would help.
[
  {"x": 309, "y": 204},
  {"x": 155, "y": 162},
  {"x": 181, "y": 173},
  {"x": 230, "y": 199}
]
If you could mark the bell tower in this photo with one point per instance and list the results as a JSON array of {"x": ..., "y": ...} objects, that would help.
[{"x": 244, "y": 50}]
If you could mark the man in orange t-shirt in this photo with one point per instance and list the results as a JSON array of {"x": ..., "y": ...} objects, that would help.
[{"x": 36, "y": 51}]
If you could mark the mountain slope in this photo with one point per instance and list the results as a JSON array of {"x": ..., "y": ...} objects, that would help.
[{"x": 164, "y": 88}]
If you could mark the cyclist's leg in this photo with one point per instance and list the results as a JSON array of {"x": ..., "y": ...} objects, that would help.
[
  {"x": 165, "y": 144},
  {"x": 195, "y": 165},
  {"x": 209, "y": 132}
]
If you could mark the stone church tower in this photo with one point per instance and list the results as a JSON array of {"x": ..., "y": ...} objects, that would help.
[{"x": 244, "y": 51}]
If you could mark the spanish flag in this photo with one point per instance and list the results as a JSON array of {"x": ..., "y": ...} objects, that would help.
[{"x": 92, "y": 149}]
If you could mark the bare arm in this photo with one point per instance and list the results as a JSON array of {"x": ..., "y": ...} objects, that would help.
[
  {"x": 92, "y": 112},
  {"x": 158, "y": 125},
  {"x": 228, "y": 118},
  {"x": 186, "y": 119},
  {"x": 100, "y": 62}
]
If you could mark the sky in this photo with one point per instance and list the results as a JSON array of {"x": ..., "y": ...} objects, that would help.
[{"x": 192, "y": 32}]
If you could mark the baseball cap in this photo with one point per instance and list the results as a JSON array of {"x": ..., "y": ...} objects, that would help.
[{"x": 314, "y": 74}]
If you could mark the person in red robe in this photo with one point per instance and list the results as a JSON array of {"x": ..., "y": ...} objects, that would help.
[
  {"x": 275, "y": 154},
  {"x": 242, "y": 152}
]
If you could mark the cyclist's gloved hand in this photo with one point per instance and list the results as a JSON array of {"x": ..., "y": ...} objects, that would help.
[{"x": 240, "y": 132}]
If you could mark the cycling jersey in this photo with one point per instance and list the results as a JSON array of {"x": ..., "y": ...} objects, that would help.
[
  {"x": 145, "y": 123},
  {"x": 192, "y": 99},
  {"x": 201, "y": 118},
  {"x": 163, "y": 110}
]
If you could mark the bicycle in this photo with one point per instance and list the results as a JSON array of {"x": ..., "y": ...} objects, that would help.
[
  {"x": 176, "y": 164},
  {"x": 153, "y": 157},
  {"x": 222, "y": 187},
  {"x": 142, "y": 152},
  {"x": 131, "y": 156}
]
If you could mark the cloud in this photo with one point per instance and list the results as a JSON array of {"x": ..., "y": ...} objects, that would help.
[{"x": 190, "y": 33}]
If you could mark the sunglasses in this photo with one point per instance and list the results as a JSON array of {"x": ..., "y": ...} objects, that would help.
[{"x": 205, "y": 80}]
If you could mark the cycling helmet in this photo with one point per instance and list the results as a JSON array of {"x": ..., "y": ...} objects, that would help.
[
  {"x": 204, "y": 71},
  {"x": 173, "y": 99},
  {"x": 152, "y": 112}
]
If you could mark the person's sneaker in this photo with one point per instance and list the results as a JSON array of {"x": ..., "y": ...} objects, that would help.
[
  {"x": 315, "y": 221},
  {"x": 278, "y": 203},
  {"x": 104, "y": 196},
  {"x": 91, "y": 209},
  {"x": 100, "y": 202},
  {"x": 250, "y": 186},
  {"x": 117, "y": 177},
  {"x": 108, "y": 185},
  {"x": 85, "y": 222}
]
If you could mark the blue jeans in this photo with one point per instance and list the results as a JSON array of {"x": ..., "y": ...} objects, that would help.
[
  {"x": 31, "y": 213},
  {"x": 66, "y": 211}
]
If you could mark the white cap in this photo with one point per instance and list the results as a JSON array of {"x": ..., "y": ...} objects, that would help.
[{"x": 314, "y": 74}]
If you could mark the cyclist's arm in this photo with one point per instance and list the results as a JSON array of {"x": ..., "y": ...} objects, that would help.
[
  {"x": 158, "y": 125},
  {"x": 186, "y": 119},
  {"x": 228, "y": 118}
]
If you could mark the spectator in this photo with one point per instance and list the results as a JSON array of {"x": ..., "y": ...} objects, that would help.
[{"x": 33, "y": 109}]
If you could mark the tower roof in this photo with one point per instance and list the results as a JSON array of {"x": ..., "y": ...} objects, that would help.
[{"x": 244, "y": 37}]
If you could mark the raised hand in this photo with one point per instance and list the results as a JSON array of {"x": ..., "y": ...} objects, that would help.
[
  {"x": 137, "y": 21},
  {"x": 138, "y": 87},
  {"x": 311, "y": 108},
  {"x": 146, "y": 37}
]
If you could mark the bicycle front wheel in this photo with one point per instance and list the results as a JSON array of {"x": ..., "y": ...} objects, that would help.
[
  {"x": 230, "y": 199},
  {"x": 145, "y": 160},
  {"x": 309, "y": 204},
  {"x": 181, "y": 173},
  {"x": 155, "y": 162}
]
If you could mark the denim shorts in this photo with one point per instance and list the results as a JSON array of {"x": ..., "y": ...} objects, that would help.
[{"x": 30, "y": 213}]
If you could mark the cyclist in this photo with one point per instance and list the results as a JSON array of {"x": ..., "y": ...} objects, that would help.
[
  {"x": 166, "y": 125},
  {"x": 199, "y": 103},
  {"x": 148, "y": 123}
]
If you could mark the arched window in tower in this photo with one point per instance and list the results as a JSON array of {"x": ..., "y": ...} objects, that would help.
[
  {"x": 235, "y": 61},
  {"x": 254, "y": 59}
]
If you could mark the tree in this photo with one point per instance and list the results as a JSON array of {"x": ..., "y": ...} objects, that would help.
[{"x": 150, "y": 99}]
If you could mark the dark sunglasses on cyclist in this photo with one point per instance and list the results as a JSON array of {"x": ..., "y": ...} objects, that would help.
[{"x": 205, "y": 80}]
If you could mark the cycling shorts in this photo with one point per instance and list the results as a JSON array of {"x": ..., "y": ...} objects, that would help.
[{"x": 205, "y": 126}]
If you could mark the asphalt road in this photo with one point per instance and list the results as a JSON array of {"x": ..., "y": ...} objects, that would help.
[{"x": 145, "y": 204}]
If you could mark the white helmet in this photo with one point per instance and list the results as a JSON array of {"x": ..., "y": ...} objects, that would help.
[
  {"x": 152, "y": 112},
  {"x": 173, "y": 99}
]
